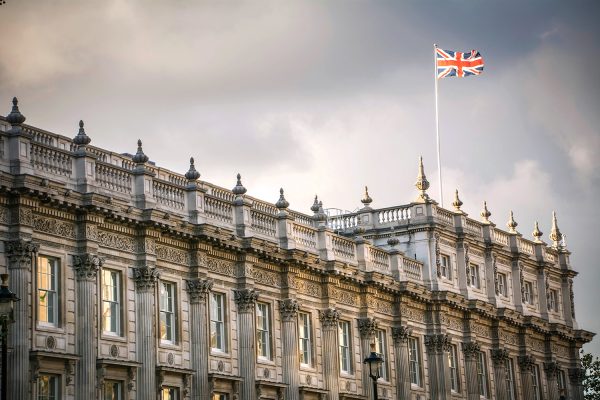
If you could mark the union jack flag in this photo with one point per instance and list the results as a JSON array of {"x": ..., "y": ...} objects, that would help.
[{"x": 456, "y": 63}]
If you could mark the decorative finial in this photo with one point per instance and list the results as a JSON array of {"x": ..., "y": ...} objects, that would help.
[
  {"x": 320, "y": 215},
  {"x": 15, "y": 117},
  {"x": 315, "y": 207},
  {"x": 537, "y": 234},
  {"x": 512, "y": 224},
  {"x": 140, "y": 157},
  {"x": 192, "y": 174},
  {"x": 239, "y": 189},
  {"x": 282, "y": 203},
  {"x": 393, "y": 241},
  {"x": 81, "y": 139},
  {"x": 555, "y": 234},
  {"x": 366, "y": 200},
  {"x": 457, "y": 203},
  {"x": 422, "y": 183},
  {"x": 485, "y": 213}
]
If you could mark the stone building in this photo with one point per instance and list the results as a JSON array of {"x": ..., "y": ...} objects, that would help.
[{"x": 140, "y": 283}]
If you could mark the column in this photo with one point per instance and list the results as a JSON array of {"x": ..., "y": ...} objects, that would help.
[
  {"x": 367, "y": 328},
  {"x": 526, "y": 370},
  {"x": 400, "y": 336},
  {"x": 86, "y": 268},
  {"x": 439, "y": 374},
  {"x": 471, "y": 352},
  {"x": 246, "y": 303},
  {"x": 145, "y": 280},
  {"x": 551, "y": 370},
  {"x": 20, "y": 256},
  {"x": 289, "y": 341},
  {"x": 331, "y": 364},
  {"x": 500, "y": 358},
  {"x": 197, "y": 290},
  {"x": 576, "y": 376}
]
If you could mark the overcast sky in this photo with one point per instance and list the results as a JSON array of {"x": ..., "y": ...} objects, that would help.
[{"x": 325, "y": 97}]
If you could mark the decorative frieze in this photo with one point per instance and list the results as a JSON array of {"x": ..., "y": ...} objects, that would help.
[
  {"x": 381, "y": 306},
  {"x": 54, "y": 227},
  {"x": 412, "y": 313},
  {"x": 218, "y": 266},
  {"x": 367, "y": 327},
  {"x": 175, "y": 256},
  {"x": 438, "y": 342},
  {"x": 198, "y": 289},
  {"x": 401, "y": 333},
  {"x": 479, "y": 329},
  {"x": 508, "y": 337},
  {"x": 246, "y": 299},
  {"x": 535, "y": 344},
  {"x": 471, "y": 349},
  {"x": 267, "y": 278},
  {"x": 86, "y": 266},
  {"x": 115, "y": 241},
  {"x": 25, "y": 216},
  {"x": 308, "y": 288},
  {"x": 343, "y": 296},
  {"x": 329, "y": 318},
  {"x": 145, "y": 277},
  {"x": 288, "y": 309}
]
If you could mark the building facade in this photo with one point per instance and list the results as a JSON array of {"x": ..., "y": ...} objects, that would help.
[{"x": 140, "y": 283}]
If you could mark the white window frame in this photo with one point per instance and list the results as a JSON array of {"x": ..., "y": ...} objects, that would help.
[
  {"x": 528, "y": 292},
  {"x": 553, "y": 300},
  {"x": 510, "y": 378},
  {"x": 446, "y": 266},
  {"x": 453, "y": 367},
  {"x": 305, "y": 339},
  {"x": 345, "y": 345},
  {"x": 218, "y": 335},
  {"x": 55, "y": 386},
  {"x": 51, "y": 292},
  {"x": 482, "y": 375},
  {"x": 115, "y": 383},
  {"x": 502, "y": 284},
  {"x": 263, "y": 331},
  {"x": 168, "y": 312},
  {"x": 380, "y": 347},
  {"x": 414, "y": 362},
  {"x": 561, "y": 382},
  {"x": 475, "y": 276},
  {"x": 112, "y": 302},
  {"x": 535, "y": 383}
]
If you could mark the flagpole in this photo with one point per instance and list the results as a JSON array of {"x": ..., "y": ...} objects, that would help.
[{"x": 437, "y": 124}]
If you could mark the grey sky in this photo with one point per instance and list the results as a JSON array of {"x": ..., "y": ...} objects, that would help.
[{"x": 326, "y": 97}]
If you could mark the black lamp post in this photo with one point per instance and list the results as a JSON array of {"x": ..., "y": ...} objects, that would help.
[
  {"x": 7, "y": 304},
  {"x": 375, "y": 361}
]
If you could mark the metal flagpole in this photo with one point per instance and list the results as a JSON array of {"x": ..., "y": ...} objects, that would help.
[{"x": 437, "y": 124}]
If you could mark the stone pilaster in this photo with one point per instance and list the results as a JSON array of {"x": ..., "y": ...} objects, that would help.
[
  {"x": 526, "y": 370},
  {"x": 500, "y": 358},
  {"x": 439, "y": 374},
  {"x": 246, "y": 303},
  {"x": 331, "y": 363},
  {"x": 198, "y": 290},
  {"x": 471, "y": 352},
  {"x": 551, "y": 369},
  {"x": 86, "y": 268},
  {"x": 145, "y": 281},
  {"x": 20, "y": 254},
  {"x": 288, "y": 309},
  {"x": 400, "y": 335},
  {"x": 576, "y": 376},
  {"x": 367, "y": 328}
]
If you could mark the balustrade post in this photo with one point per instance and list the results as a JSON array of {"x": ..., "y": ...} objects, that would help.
[
  {"x": 324, "y": 244},
  {"x": 285, "y": 227},
  {"x": 241, "y": 216},
  {"x": 143, "y": 181}
]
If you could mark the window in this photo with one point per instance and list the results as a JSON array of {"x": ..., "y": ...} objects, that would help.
[
  {"x": 113, "y": 390},
  {"x": 48, "y": 291},
  {"x": 502, "y": 286},
  {"x": 414, "y": 361},
  {"x": 510, "y": 379},
  {"x": 344, "y": 338},
  {"x": 263, "y": 330},
  {"x": 168, "y": 317},
  {"x": 111, "y": 302},
  {"x": 446, "y": 268},
  {"x": 535, "y": 382},
  {"x": 218, "y": 339},
  {"x": 169, "y": 393},
  {"x": 305, "y": 337},
  {"x": 219, "y": 396},
  {"x": 380, "y": 347},
  {"x": 48, "y": 387},
  {"x": 474, "y": 273},
  {"x": 552, "y": 300},
  {"x": 453, "y": 365},
  {"x": 482, "y": 375},
  {"x": 527, "y": 292},
  {"x": 562, "y": 383}
]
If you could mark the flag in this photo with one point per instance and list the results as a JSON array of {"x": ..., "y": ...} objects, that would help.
[{"x": 456, "y": 63}]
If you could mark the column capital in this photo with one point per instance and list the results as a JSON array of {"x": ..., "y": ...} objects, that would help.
[
  {"x": 86, "y": 266},
  {"x": 471, "y": 349},
  {"x": 367, "y": 327},
  {"x": 438, "y": 342},
  {"x": 499, "y": 357},
  {"x": 289, "y": 309},
  {"x": 551, "y": 368},
  {"x": 526, "y": 363},
  {"x": 198, "y": 289},
  {"x": 329, "y": 318},
  {"x": 246, "y": 299},
  {"x": 20, "y": 253},
  {"x": 401, "y": 333},
  {"x": 145, "y": 278}
]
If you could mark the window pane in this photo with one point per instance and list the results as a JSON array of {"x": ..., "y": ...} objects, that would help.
[
  {"x": 48, "y": 387},
  {"x": 47, "y": 290},
  {"x": 113, "y": 390}
]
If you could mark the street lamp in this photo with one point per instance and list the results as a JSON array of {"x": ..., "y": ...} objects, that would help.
[
  {"x": 375, "y": 361},
  {"x": 7, "y": 304}
]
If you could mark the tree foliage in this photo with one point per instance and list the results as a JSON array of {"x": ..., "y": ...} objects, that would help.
[{"x": 591, "y": 378}]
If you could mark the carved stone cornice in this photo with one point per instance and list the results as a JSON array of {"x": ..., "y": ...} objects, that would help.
[
  {"x": 551, "y": 368},
  {"x": 145, "y": 278},
  {"x": 198, "y": 289},
  {"x": 471, "y": 349},
  {"x": 367, "y": 327},
  {"x": 86, "y": 266},
  {"x": 401, "y": 333},
  {"x": 246, "y": 299},
  {"x": 526, "y": 363},
  {"x": 329, "y": 318},
  {"x": 500, "y": 356},
  {"x": 288, "y": 309},
  {"x": 438, "y": 342},
  {"x": 20, "y": 253}
]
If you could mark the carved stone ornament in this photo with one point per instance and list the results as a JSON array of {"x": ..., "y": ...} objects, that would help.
[
  {"x": 471, "y": 349},
  {"x": 198, "y": 289},
  {"x": 145, "y": 277},
  {"x": 438, "y": 262},
  {"x": 289, "y": 310},
  {"x": 521, "y": 280},
  {"x": 367, "y": 327},
  {"x": 131, "y": 373},
  {"x": 438, "y": 342},
  {"x": 86, "y": 266},
  {"x": 495, "y": 267},
  {"x": 246, "y": 299},
  {"x": 551, "y": 369},
  {"x": 500, "y": 356},
  {"x": 576, "y": 376},
  {"x": 572, "y": 297},
  {"x": 329, "y": 318},
  {"x": 401, "y": 333},
  {"x": 466, "y": 250},
  {"x": 20, "y": 253},
  {"x": 69, "y": 371},
  {"x": 526, "y": 363}
]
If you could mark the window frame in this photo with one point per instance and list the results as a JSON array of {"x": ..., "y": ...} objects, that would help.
[
  {"x": 553, "y": 300},
  {"x": 172, "y": 311},
  {"x": 264, "y": 334},
  {"x": 57, "y": 389},
  {"x": 54, "y": 293},
  {"x": 381, "y": 348},
  {"x": 305, "y": 339},
  {"x": 446, "y": 269},
  {"x": 475, "y": 277},
  {"x": 218, "y": 326},
  {"x": 119, "y": 303},
  {"x": 528, "y": 292},
  {"x": 536, "y": 382},
  {"x": 502, "y": 284},
  {"x": 453, "y": 368},
  {"x": 510, "y": 378},
  {"x": 482, "y": 375},
  {"x": 415, "y": 362},
  {"x": 120, "y": 388},
  {"x": 175, "y": 391},
  {"x": 345, "y": 347}
]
